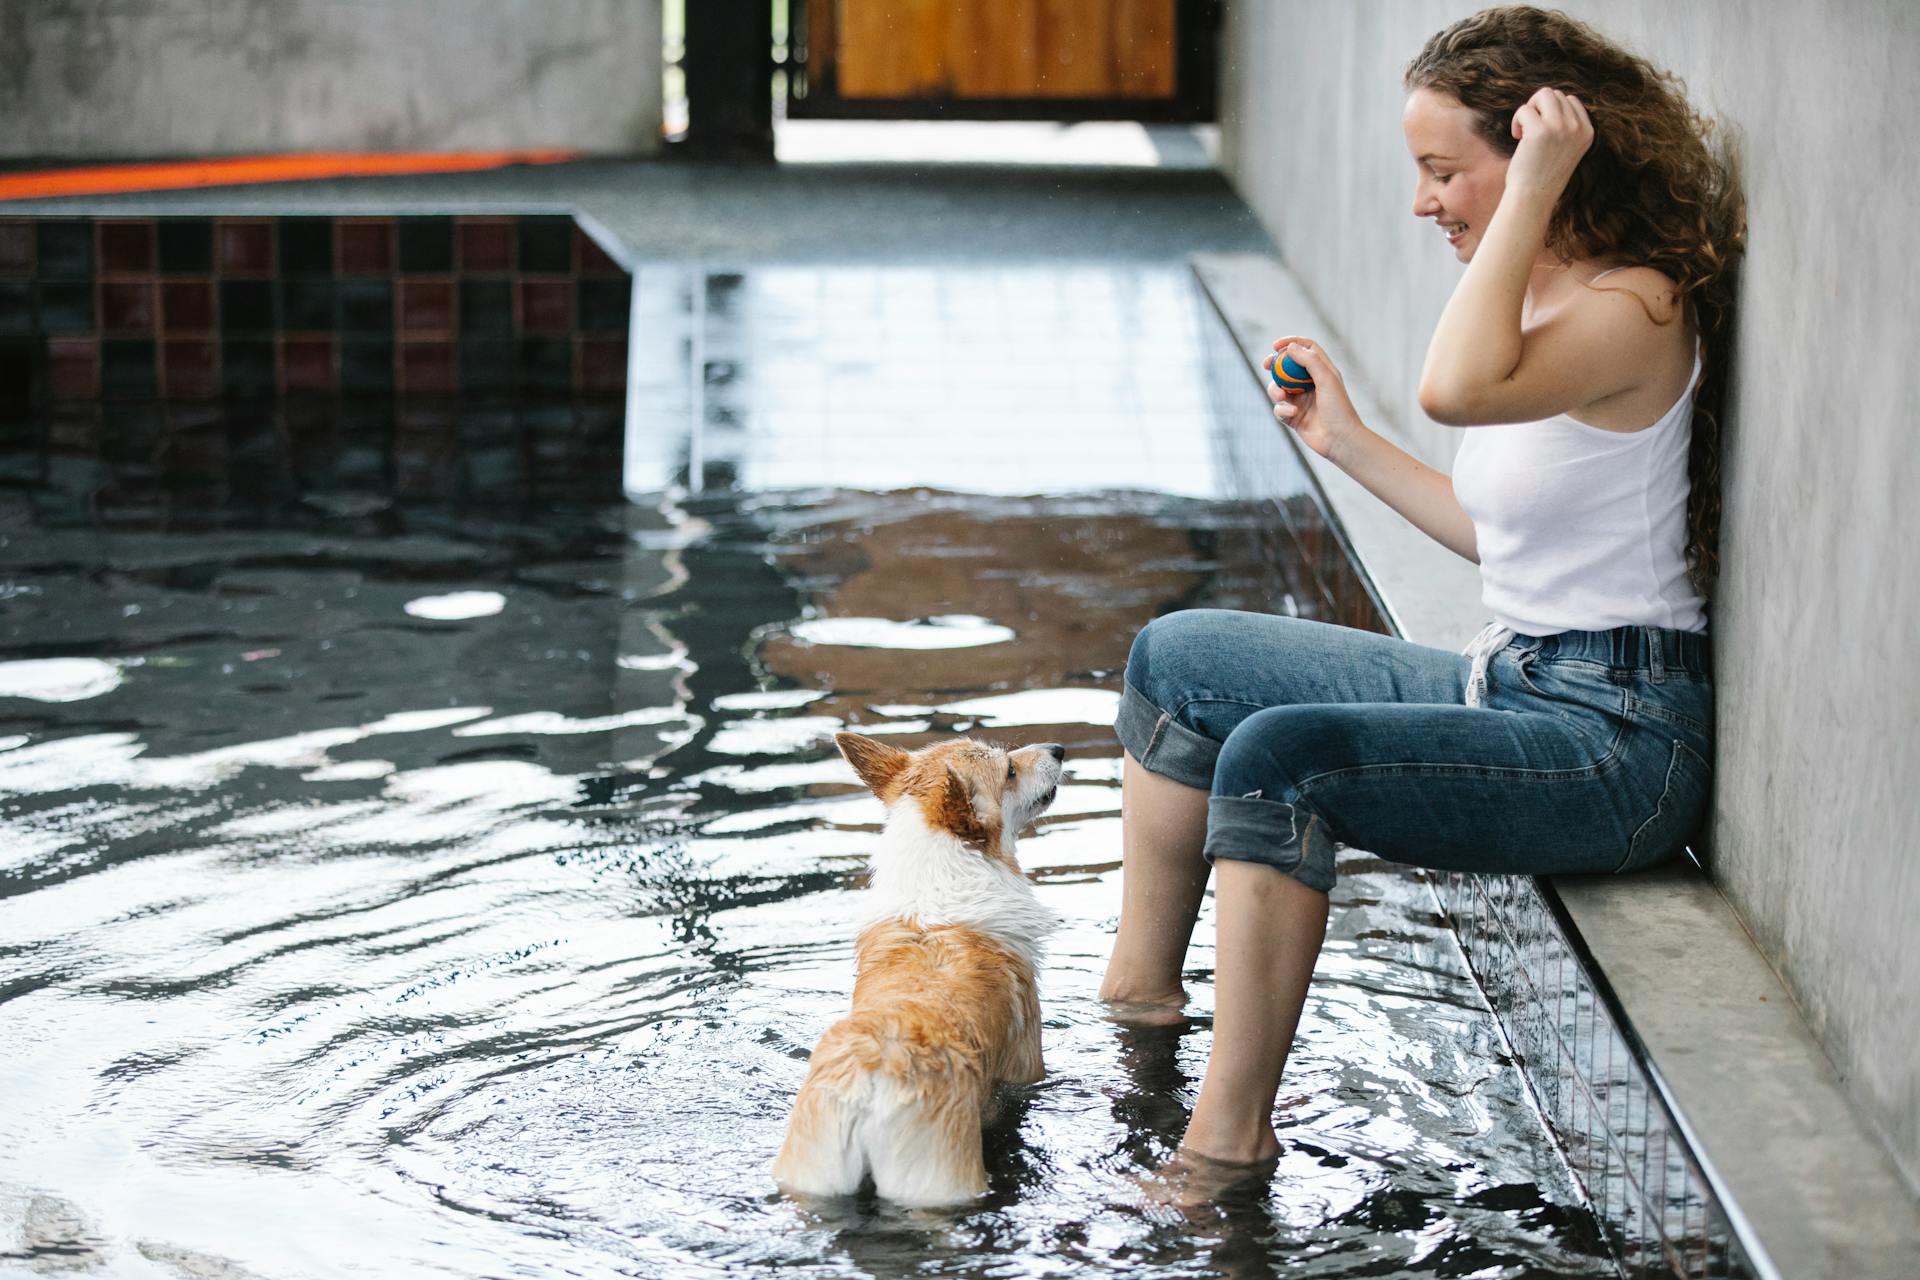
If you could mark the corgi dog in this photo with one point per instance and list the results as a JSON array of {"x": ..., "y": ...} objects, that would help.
[{"x": 944, "y": 999}]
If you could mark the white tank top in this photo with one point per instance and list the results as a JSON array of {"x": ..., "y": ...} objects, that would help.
[{"x": 1581, "y": 529}]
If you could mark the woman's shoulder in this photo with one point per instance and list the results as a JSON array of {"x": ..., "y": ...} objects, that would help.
[{"x": 1657, "y": 294}]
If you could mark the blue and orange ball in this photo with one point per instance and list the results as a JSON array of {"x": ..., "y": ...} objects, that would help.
[{"x": 1290, "y": 375}]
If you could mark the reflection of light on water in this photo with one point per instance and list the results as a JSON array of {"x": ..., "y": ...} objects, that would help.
[
  {"x": 113, "y": 759},
  {"x": 766, "y": 699},
  {"x": 457, "y": 605},
  {"x": 1030, "y": 706},
  {"x": 349, "y": 771},
  {"x": 651, "y": 661},
  {"x": 554, "y": 722},
  {"x": 743, "y": 779},
  {"x": 947, "y": 631},
  {"x": 897, "y": 726},
  {"x": 58, "y": 679},
  {"x": 771, "y": 737}
]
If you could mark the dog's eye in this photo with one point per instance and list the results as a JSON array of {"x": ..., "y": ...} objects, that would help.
[{"x": 1012, "y": 770}]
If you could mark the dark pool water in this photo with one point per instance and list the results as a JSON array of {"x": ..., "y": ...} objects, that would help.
[{"x": 403, "y": 888}]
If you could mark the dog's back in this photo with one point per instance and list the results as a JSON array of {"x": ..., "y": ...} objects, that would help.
[
  {"x": 899, "y": 1088},
  {"x": 944, "y": 1003}
]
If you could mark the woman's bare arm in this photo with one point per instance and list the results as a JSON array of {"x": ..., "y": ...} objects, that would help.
[
  {"x": 1325, "y": 421},
  {"x": 1417, "y": 491}
]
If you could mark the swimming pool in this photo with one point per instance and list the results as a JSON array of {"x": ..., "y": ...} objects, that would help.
[{"x": 446, "y": 867}]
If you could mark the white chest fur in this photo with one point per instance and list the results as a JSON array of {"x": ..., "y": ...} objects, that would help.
[{"x": 929, "y": 876}]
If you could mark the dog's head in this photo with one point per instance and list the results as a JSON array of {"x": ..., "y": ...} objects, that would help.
[{"x": 981, "y": 793}]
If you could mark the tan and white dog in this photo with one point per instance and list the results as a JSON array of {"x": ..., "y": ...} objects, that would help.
[{"x": 944, "y": 999}]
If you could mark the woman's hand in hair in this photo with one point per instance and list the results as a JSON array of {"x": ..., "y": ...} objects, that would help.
[
  {"x": 1554, "y": 133},
  {"x": 1322, "y": 417}
]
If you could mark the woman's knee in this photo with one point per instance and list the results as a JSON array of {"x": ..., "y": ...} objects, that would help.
[
  {"x": 1267, "y": 754},
  {"x": 1164, "y": 660}
]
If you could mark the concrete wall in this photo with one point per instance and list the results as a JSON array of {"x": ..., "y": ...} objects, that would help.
[
  {"x": 1817, "y": 802},
  {"x": 151, "y": 78}
]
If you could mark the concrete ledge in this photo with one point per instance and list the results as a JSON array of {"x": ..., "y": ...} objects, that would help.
[{"x": 1805, "y": 1188}]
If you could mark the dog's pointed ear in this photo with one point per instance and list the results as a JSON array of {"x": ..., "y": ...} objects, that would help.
[
  {"x": 960, "y": 814},
  {"x": 877, "y": 763}
]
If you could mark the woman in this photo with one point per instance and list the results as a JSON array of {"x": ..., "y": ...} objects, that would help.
[{"x": 1584, "y": 352}]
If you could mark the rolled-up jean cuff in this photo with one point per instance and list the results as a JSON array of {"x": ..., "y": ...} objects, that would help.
[
  {"x": 1289, "y": 838},
  {"x": 1162, "y": 744}
]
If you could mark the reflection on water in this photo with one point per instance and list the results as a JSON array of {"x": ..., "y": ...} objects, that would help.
[{"x": 403, "y": 890}]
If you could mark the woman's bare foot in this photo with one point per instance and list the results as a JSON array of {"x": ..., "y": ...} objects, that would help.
[
  {"x": 1133, "y": 1007},
  {"x": 1146, "y": 1013},
  {"x": 1191, "y": 1179}
]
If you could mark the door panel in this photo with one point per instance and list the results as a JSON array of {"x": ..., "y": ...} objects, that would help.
[{"x": 992, "y": 50}]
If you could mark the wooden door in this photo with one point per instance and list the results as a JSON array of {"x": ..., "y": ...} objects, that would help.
[{"x": 1005, "y": 58}]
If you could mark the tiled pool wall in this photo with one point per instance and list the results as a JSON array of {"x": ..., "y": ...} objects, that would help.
[
  {"x": 202, "y": 309},
  {"x": 1602, "y": 1100},
  {"x": 182, "y": 362}
]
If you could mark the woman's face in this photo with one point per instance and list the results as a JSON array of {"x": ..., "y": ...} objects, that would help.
[{"x": 1461, "y": 177}]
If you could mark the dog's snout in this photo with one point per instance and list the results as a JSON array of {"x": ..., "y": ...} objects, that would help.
[{"x": 1054, "y": 749}]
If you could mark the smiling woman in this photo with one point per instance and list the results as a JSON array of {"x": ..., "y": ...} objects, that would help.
[{"x": 1574, "y": 733}]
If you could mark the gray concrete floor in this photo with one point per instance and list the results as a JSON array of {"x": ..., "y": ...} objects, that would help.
[{"x": 816, "y": 212}]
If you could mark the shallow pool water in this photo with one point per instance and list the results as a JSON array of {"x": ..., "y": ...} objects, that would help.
[{"x": 414, "y": 888}]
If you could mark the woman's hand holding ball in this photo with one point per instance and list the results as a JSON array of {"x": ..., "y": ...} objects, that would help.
[{"x": 1320, "y": 413}]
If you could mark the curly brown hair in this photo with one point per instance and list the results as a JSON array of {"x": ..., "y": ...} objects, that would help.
[{"x": 1660, "y": 187}]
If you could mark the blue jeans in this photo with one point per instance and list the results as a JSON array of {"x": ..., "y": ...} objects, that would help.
[{"x": 1591, "y": 751}]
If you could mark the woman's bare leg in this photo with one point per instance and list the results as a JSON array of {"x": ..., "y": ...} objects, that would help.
[
  {"x": 1163, "y": 825},
  {"x": 1270, "y": 927}
]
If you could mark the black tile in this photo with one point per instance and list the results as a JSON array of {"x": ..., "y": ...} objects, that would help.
[
  {"x": 186, "y": 245},
  {"x": 306, "y": 304},
  {"x": 372, "y": 420},
  {"x": 19, "y": 361},
  {"x": 366, "y": 306},
  {"x": 306, "y": 246},
  {"x": 66, "y": 308},
  {"x": 546, "y": 244},
  {"x": 246, "y": 367},
  {"x": 16, "y": 307},
  {"x": 488, "y": 430},
  {"x": 546, "y": 366},
  {"x": 605, "y": 305},
  {"x": 134, "y": 433},
  {"x": 127, "y": 369},
  {"x": 366, "y": 366},
  {"x": 246, "y": 306},
  {"x": 66, "y": 249},
  {"x": 486, "y": 309},
  {"x": 488, "y": 367},
  {"x": 426, "y": 244}
]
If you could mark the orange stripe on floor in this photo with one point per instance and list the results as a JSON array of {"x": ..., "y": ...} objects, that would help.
[{"x": 243, "y": 170}]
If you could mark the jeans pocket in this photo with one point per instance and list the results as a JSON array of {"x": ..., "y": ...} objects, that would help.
[
  {"x": 1683, "y": 804},
  {"x": 1685, "y": 704},
  {"x": 1523, "y": 667}
]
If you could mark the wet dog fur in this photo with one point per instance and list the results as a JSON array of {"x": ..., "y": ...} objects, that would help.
[{"x": 944, "y": 999}]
